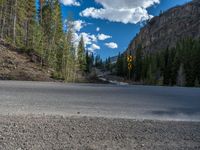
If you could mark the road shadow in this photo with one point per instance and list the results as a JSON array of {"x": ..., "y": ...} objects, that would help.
[{"x": 176, "y": 111}]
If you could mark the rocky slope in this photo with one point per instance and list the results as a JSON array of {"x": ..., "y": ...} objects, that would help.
[
  {"x": 19, "y": 66},
  {"x": 169, "y": 27}
]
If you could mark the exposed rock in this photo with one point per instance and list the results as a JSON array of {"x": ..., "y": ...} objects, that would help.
[{"x": 168, "y": 28}]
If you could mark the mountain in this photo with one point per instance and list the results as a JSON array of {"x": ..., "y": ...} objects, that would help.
[{"x": 169, "y": 27}]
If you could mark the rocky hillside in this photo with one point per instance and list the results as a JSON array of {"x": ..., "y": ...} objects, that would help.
[
  {"x": 20, "y": 66},
  {"x": 169, "y": 27}
]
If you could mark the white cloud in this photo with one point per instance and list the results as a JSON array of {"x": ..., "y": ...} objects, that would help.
[
  {"x": 103, "y": 37},
  {"x": 79, "y": 24},
  {"x": 90, "y": 40},
  {"x": 93, "y": 47},
  {"x": 126, "y": 4},
  {"x": 97, "y": 29},
  {"x": 87, "y": 37},
  {"x": 111, "y": 45},
  {"x": 125, "y": 11},
  {"x": 70, "y": 2}
]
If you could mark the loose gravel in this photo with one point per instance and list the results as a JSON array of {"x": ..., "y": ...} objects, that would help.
[{"x": 84, "y": 133}]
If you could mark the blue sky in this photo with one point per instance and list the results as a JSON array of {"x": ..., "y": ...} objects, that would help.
[{"x": 108, "y": 26}]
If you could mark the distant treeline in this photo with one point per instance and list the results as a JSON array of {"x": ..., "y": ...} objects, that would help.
[
  {"x": 41, "y": 31},
  {"x": 175, "y": 66}
]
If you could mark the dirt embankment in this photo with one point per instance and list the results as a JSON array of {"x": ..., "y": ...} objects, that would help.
[
  {"x": 70, "y": 133},
  {"x": 20, "y": 66}
]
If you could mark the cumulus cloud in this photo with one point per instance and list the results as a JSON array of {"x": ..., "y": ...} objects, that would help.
[
  {"x": 79, "y": 24},
  {"x": 111, "y": 45},
  {"x": 93, "y": 47},
  {"x": 97, "y": 29},
  {"x": 126, "y": 4},
  {"x": 87, "y": 37},
  {"x": 90, "y": 40},
  {"x": 103, "y": 37},
  {"x": 125, "y": 11},
  {"x": 70, "y": 2}
]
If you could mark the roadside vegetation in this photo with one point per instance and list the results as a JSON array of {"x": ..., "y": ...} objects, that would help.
[
  {"x": 41, "y": 32},
  {"x": 178, "y": 66}
]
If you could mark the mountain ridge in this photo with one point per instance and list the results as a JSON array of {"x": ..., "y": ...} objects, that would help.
[{"x": 168, "y": 28}]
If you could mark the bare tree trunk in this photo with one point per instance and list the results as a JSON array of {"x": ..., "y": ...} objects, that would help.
[
  {"x": 1, "y": 15},
  {"x": 10, "y": 32},
  {"x": 27, "y": 34},
  {"x": 14, "y": 24},
  {"x": 4, "y": 21},
  {"x": 41, "y": 10},
  {"x": 43, "y": 57}
]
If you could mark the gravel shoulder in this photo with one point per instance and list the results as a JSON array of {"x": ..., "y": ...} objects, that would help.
[{"x": 85, "y": 133}]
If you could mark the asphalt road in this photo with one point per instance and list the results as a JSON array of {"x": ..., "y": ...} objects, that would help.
[{"x": 135, "y": 102}]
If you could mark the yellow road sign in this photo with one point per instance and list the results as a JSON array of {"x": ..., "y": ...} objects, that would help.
[
  {"x": 130, "y": 58},
  {"x": 130, "y": 66}
]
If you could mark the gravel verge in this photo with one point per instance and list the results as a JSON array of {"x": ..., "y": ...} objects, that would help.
[{"x": 84, "y": 133}]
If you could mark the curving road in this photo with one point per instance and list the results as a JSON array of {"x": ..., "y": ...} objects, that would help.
[{"x": 135, "y": 102}]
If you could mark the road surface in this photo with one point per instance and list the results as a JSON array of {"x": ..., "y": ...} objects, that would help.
[{"x": 134, "y": 102}]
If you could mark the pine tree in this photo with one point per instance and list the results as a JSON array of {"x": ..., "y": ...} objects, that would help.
[
  {"x": 181, "y": 76},
  {"x": 69, "y": 63},
  {"x": 167, "y": 67},
  {"x": 4, "y": 9},
  {"x": 197, "y": 60},
  {"x": 119, "y": 65},
  {"x": 98, "y": 61},
  {"x": 20, "y": 24},
  {"x": 118, "y": 69},
  {"x": 89, "y": 61},
  {"x": 81, "y": 55},
  {"x": 46, "y": 24},
  {"x": 150, "y": 77},
  {"x": 30, "y": 23},
  {"x": 125, "y": 65},
  {"x": 42, "y": 33},
  {"x": 138, "y": 64},
  {"x": 51, "y": 22},
  {"x": 7, "y": 11},
  {"x": 197, "y": 83},
  {"x": 38, "y": 42},
  {"x": 175, "y": 65},
  {"x": 188, "y": 62},
  {"x": 108, "y": 64},
  {"x": 40, "y": 10},
  {"x": 58, "y": 35}
]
